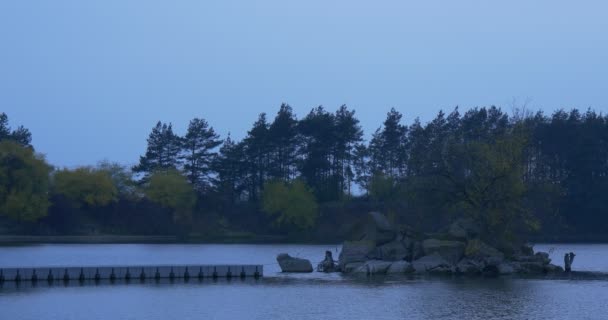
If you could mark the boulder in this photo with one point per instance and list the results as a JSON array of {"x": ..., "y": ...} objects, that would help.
[
  {"x": 543, "y": 257},
  {"x": 451, "y": 251},
  {"x": 551, "y": 268},
  {"x": 356, "y": 251},
  {"x": 392, "y": 251},
  {"x": 379, "y": 229},
  {"x": 478, "y": 250},
  {"x": 350, "y": 267},
  {"x": 506, "y": 268},
  {"x": 526, "y": 250},
  {"x": 373, "y": 267},
  {"x": 400, "y": 267},
  {"x": 467, "y": 266},
  {"x": 292, "y": 264},
  {"x": 431, "y": 263},
  {"x": 540, "y": 258},
  {"x": 464, "y": 228},
  {"x": 417, "y": 251},
  {"x": 530, "y": 267}
]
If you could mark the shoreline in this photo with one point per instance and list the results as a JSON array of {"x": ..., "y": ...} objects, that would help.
[
  {"x": 259, "y": 239},
  {"x": 147, "y": 239}
]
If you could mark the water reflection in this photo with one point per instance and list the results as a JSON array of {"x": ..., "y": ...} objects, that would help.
[{"x": 281, "y": 296}]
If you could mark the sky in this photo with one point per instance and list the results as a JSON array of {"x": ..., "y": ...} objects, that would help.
[{"x": 91, "y": 78}]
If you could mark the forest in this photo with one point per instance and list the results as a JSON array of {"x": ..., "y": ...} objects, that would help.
[{"x": 311, "y": 178}]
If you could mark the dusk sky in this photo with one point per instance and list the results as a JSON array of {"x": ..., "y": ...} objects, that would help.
[{"x": 91, "y": 78}]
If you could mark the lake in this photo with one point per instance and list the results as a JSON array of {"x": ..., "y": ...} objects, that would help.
[{"x": 289, "y": 296}]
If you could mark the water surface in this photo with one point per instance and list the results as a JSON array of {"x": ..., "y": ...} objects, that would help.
[{"x": 283, "y": 296}]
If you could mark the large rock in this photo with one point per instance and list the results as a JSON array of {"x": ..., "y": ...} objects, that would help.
[
  {"x": 392, "y": 251},
  {"x": 292, "y": 264},
  {"x": 356, "y": 251},
  {"x": 507, "y": 268},
  {"x": 468, "y": 266},
  {"x": 400, "y": 267},
  {"x": 464, "y": 228},
  {"x": 373, "y": 267},
  {"x": 379, "y": 230},
  {"x": 451, "y": 251},
  {"x": 417, "y": 251},
  {"x": 478, "y": 250},
  {"x": 551, "y": 268},
  {"x": 350, "y": 267},
  {"x": 532, "y": 267},
  {"x": 539, "y": 257},
  {"x": 432, "y": 263}
]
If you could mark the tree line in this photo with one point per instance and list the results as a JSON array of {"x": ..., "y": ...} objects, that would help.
[{"x": 519, "y": 173}]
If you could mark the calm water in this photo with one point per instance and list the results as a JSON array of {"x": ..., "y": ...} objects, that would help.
[{"x": 279, "y": 296}]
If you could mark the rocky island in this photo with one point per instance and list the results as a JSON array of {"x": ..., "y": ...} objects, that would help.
[{"x": 384, "y": 248}]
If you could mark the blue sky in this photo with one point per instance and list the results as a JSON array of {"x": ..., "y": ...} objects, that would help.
[{"x": 91, "y": 78}]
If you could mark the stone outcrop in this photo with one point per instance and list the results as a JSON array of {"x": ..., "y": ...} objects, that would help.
[
  {"x": 374, "y": 267},
  {"x": 451, "y": 251},
  {"x": 379, "y": 230},
  {"x": 356, "y": 251},
  {"x": 292, "y": 264},
  {"x": 386, "y": 249},
  {"x": 433, "y": 263},
  {"x": 400, "y": 267},
  {"x": 464, "y": 228}
]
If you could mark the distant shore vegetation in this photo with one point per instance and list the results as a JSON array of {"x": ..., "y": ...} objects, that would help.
[{"x": 310, "y": 178}]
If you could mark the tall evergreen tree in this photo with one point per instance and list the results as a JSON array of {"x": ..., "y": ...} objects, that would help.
[
  {"x": 231, "y": 170},
  {"x": 348, "y": 134},
  {"x": 162, "y": 153},
  {"x": 283, "y": 144},
  {"x": 388, "y": 147},
  {"x": 198, "y": 145},
  {"x": 257, "y": 156},
  {"x": 20, "y": 135},
  {"x": 318, "y": 141}
]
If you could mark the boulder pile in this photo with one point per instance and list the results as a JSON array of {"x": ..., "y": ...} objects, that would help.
[{"x": 385, "y": 249}]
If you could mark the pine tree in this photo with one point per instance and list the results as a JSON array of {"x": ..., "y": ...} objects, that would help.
[
  {"x": 20, "y": 135},
  {"x": 257, "y": 159},
  {"x": 198, "y": 152},
  {"x": 162, "y": 153},
  {"x": 388, "y": 147},
  {"x": 283, "y": 143},
  {"x": 231, "y": 170},
  {"x": 348, "y": 135}
]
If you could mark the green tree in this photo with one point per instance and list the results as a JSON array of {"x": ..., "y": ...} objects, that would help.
[
  {"x": 318, "y": 132},
  {"x": 231, "y": 171},
  {"x": 85, "y": 186},
  {"x": 23, "y": 182},
  {"x": 162, "y": 153},
  {"x": 122, "y": 178},
  {"x": 292, "y": 205},
  {"x": 348, "y": 135},
  {"x": 199, "y": 144},
  {"x": 485, "y": 181},
  {"x": 388, "y": 147},
  {"x": 20, "y": 135},
  {"x": 171, "y": 190},
  {"x": 283, "y": 144},
  {"x": 256, "y": 151}
]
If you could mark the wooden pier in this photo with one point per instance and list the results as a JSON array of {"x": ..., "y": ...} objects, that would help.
[{"x": 129, "y": 273}]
